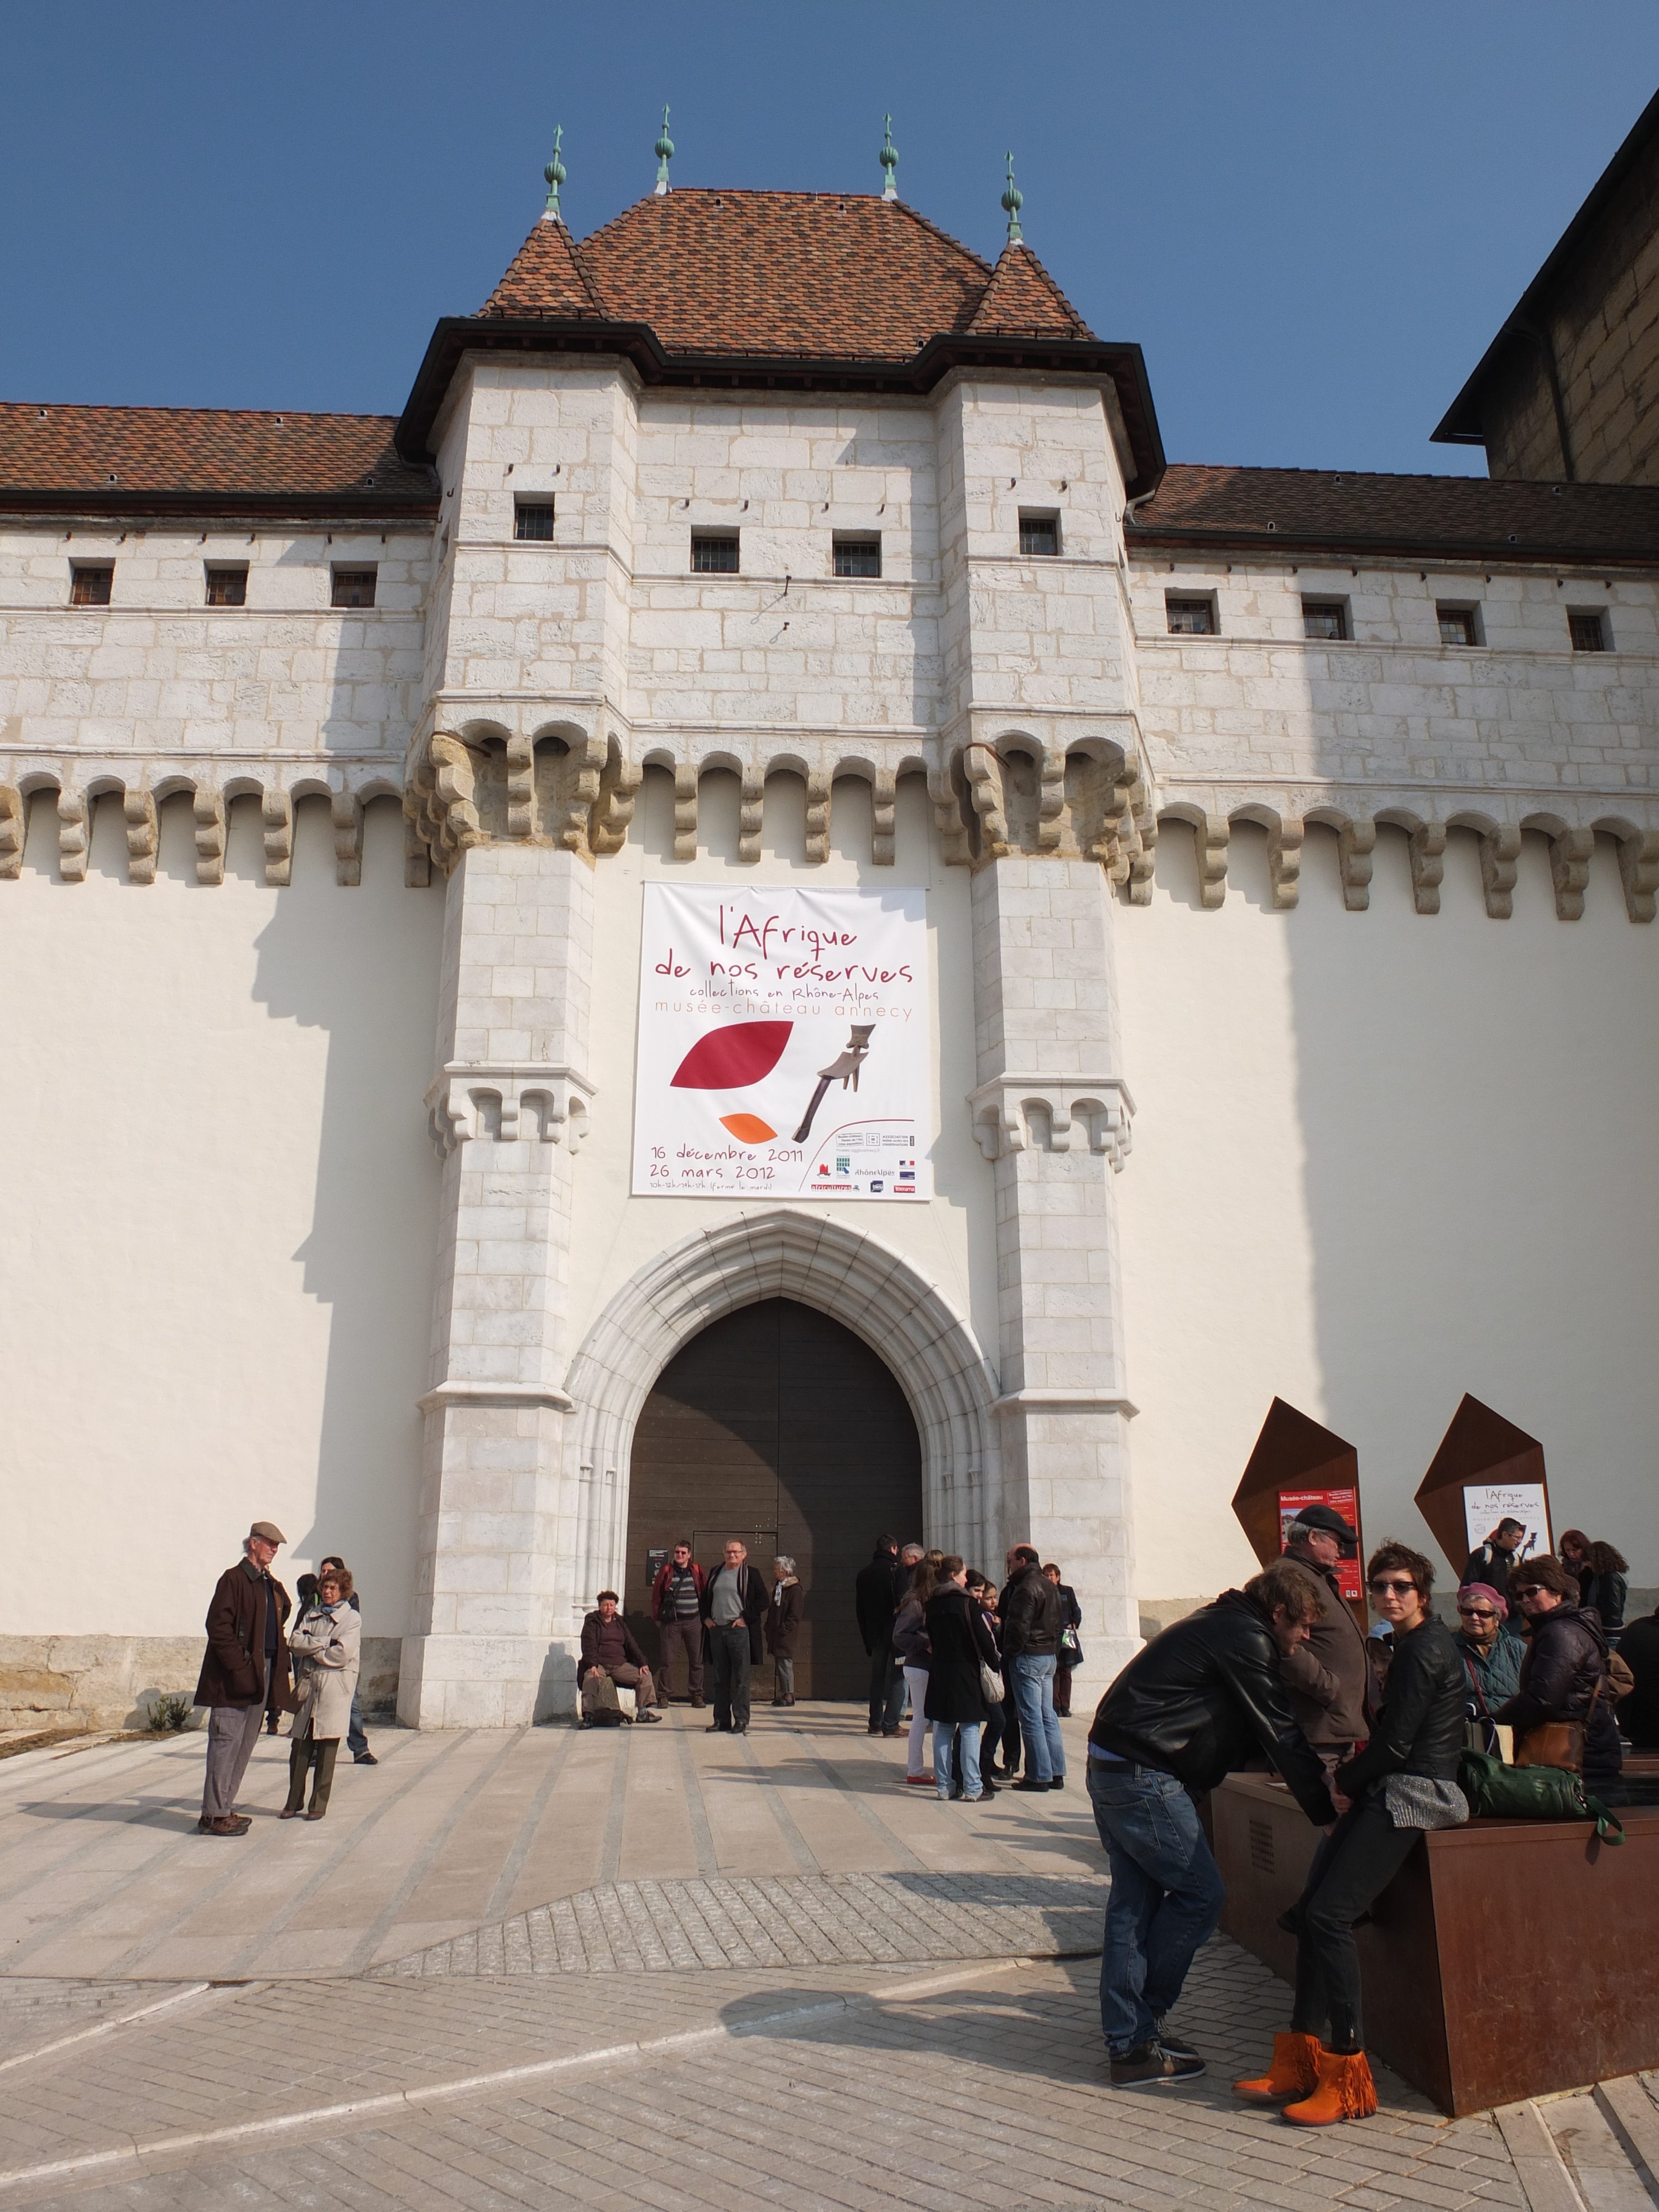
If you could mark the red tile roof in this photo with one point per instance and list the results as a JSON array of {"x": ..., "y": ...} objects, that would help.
[
  {"x": 801, "y": 275},
  {"x": 123, "y": 460},
  {"x": 1023, "y": 300},
  {"x": 1340, "y": 511}
]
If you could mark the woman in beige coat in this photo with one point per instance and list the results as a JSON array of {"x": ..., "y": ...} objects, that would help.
[{"x": 326, "y": 1647}]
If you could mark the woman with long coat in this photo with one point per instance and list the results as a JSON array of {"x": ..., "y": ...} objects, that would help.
[
  {"x": 783, "y": 1627},
  {"x": 327, "y": 1645},
  {"x": 959, "y": 1644},
  {"x": 910, "y": 1642}
]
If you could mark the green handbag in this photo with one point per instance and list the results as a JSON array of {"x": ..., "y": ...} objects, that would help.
[{"x": 1497, "y": 1792}]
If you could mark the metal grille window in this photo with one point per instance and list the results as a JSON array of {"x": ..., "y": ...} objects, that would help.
[
  {"x": 1324, "y": 618},
  {"x": 1039, "y": 533},
  {"x": 89, "y": 585},
  {"x": 226, "y": 587},
  {"x": 1190, "y": 617},
  {"x": 353, "y": 588},
  {"x": 1458, "y": 626},
  {"x": 1589, "y": 632},
  {"x": 714, "y": 554},
  {"x": 858, "y": 557},
  {"x": 533, "y": 518}
]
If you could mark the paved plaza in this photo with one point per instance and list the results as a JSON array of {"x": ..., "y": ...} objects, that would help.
[{"x": 537, "y": 1968}]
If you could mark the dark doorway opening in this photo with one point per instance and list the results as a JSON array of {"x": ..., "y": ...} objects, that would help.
[{"x": 779, "y": 1426}]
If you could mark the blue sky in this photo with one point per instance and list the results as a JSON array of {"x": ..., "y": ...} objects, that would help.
[{"x": 1313, "y": 219}]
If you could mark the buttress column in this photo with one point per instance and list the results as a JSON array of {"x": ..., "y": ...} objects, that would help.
[
  {"x": 1052, "y": 1112},
  {"x": 508, "y": 1107}
]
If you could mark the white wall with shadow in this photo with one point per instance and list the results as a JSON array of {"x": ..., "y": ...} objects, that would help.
[
  {"x": 215, "y": 1286},
  {"x": 1380, "y": 1159}
]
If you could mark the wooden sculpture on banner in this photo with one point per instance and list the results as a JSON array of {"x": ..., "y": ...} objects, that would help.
[
  {"x": 1486, "y": 1471},
  {"x": 1295, "y": 1463}
]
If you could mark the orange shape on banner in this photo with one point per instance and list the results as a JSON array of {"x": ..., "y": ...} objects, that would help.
[{"x": 748, "y": 1129}]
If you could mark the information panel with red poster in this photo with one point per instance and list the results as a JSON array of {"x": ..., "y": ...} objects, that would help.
[{"x": 1292, "y": 1504}]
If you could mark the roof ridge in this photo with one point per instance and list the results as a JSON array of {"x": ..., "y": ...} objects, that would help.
[{"x": 147, "y": 407}]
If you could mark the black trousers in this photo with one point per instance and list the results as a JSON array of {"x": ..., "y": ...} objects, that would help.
[
  {"x": 1010, "y": 1734},
  {"x": 731, "y": 1667},
  {"x": 886, "y": 1687},
  {"x": 1353, "y": 1864}
]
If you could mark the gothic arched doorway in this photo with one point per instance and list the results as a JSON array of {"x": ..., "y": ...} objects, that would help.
[{"x": 779, "y": 1425}]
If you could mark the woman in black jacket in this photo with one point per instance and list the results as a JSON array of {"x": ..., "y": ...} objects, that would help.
[
  {"x": 1403, "y": 1780},
  {"x": 1608, "y": 1589},
  {"x": 959, "y": 1644},
  {"x": 1564, "y": 1675}
]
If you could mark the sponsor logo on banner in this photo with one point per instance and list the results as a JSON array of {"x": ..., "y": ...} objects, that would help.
[{"x": 784, "y": 1043}]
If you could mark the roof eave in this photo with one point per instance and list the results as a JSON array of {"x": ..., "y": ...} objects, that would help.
[
  {"x": 1339, "y": 552},
  {"x": 366, "y": 508},
  {"x": 1125, "y": 366}
]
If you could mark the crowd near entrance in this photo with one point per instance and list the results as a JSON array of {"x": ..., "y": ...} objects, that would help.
[{"x": 777, "y": 1426}]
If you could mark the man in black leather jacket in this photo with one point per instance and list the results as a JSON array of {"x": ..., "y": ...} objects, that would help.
[
  {"x": 1402, "y": 1781},
  {"x": 1200, "y": 1701}
]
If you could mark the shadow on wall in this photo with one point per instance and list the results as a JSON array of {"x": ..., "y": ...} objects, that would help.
[
  {"x": 371, "y": 1251},
  {"x": 1476, "y": 1105}
]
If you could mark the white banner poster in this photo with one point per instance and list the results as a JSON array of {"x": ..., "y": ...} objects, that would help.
[
  {"x": 1487, "y": 1503},
  {"x": 784, "y": 1048}
]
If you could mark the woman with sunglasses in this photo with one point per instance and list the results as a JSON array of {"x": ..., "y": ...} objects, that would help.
[
  {"x": 1403, "y": 1780},
  {"x": 1491, "y": 1653}
]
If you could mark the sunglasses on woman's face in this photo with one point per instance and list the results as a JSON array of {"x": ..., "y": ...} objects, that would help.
[
  {"x": 1383, "y": 1583},
  {"x": 1476, "y": 1613}
]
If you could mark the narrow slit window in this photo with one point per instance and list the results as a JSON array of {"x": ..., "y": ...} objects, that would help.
[
  {"x": 1458, "y": 626},
  {"x": 1325, "y": 618},
  {"x": 226, "y": 587},
  {"x": 90, "y": 583},
  {"x": 353, "y": 588},
  {"x": 533, "y": 518},
  {"x": 713, "y": 553},
  {"x": 1589, "y": 632},
  {"x": 1190, "y": 617},
  {"x": 1039, "y": 534},
  {"x": 858, "y": 557}
]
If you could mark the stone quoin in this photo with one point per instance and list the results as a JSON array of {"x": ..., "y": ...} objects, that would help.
[{"x": 1288, "y": 841}]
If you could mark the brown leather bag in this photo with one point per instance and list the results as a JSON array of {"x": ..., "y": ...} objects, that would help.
[{"x": 1557, "y": 1743}]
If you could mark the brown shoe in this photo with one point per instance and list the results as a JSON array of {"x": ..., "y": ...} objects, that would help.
[
  {"x": 289, "y": 1813},
  {"x": 228, "y": 1823},
  {"x": 313, "y": 1814}
]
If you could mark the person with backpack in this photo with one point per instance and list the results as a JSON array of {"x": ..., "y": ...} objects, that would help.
[{"x": 1031, "y": 1626}]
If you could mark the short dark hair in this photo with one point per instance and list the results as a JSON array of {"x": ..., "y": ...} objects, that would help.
[
  {"x": 681, "y": 1543},
  {"x": 887, "y": 1543},
  {"x": 952, "y": 1563},
  {"x": 1393, "y": 1554},
  {"x": 1049, "y": 1568},
  {"x": 1026, "y": 1556},
  {"x": 1286, "y": 1590},
  {"x": 332, "y": 1560},
  {"x": 612, "y": 1595},
  {"x": 1509, "y": 1521},
  {"x": 1545, "y": 1572}
]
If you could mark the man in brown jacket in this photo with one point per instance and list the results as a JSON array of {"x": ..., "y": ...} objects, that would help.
[
  {"x": 246, "y": 1653},
  {"x": 1326, "y": 1676}
]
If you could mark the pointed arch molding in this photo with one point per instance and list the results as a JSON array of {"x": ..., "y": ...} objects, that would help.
[{"x": 822, "y": 1262}]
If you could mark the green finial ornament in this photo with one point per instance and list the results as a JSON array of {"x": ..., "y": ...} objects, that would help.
[
  {"x": 664, "y": 150},
  {"x": 555, "y": 173},
  {"x": 889, "y": 163},
  {"x": 1013, "y": 200}
]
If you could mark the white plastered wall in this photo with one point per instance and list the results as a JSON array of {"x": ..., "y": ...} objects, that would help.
[
  {"x": 1380, "y": 1159},
  {"x": 220, "y": 1221}
]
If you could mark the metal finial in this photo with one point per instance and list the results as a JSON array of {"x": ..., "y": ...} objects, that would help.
[
  {"x": 890, "y": 163},
  {"x": 1014, "y": 199},
  {"x": 664, "y": 150},
  {"x": 555, "y": 173}
]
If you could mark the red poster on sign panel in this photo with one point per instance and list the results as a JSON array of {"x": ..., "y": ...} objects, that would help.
[{"x": 1345, "y": 1502}]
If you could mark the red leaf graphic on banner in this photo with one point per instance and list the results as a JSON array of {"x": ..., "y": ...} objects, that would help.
[
  {"x": 748, "y": 1129},
  {"x": 741, "y": 1053}
]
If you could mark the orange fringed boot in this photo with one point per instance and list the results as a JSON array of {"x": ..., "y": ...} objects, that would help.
[
  {"x": 1294, "y": 2071},
  {"x": 1346, "y": 2092}
]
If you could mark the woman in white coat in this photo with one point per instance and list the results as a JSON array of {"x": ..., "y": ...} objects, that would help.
[{"x": 326, "y": 1646}]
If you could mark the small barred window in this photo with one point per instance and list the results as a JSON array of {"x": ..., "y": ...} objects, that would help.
[
  {"x": 353, "y": 588},
  {"x": 1190, "y": 617},
  {"x": 714, "y": 554},
  {"x": 533, "y": 518},
  {"x": 858, "y": 557},
  {"x": 89, "y": 584},
  {"x": 226, "y": 587}
]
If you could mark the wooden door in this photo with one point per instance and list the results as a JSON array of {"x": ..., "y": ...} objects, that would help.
[{"x": 777, "y": 1419}]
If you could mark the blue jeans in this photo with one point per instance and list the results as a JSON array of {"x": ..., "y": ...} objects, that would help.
[
  {"x": 356, "y": 1741},
  {"x": 1034, "y": 1691},
  {"x": 946, "y": 1736},
  {"x": 1167, "y": 1895}
]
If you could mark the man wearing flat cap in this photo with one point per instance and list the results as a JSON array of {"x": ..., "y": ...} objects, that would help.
[
  {"x": 246, "y": 1662},
  {"x": 1326, "y": 1676}
]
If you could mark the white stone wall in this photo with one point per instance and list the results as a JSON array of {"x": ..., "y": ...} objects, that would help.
[{"x": 220, "y": 1222}]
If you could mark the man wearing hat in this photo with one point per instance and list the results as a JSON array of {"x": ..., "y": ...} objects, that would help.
[
  {"x": 1326, "y": 1677},
  {"x": 247, "y": 1655}
]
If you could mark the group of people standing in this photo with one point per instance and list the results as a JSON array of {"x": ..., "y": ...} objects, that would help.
[
  {"x": 983, "y": 1670},
  {"x": 256, "y": 1669},
  {"x": 724, "y": 1621}
]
